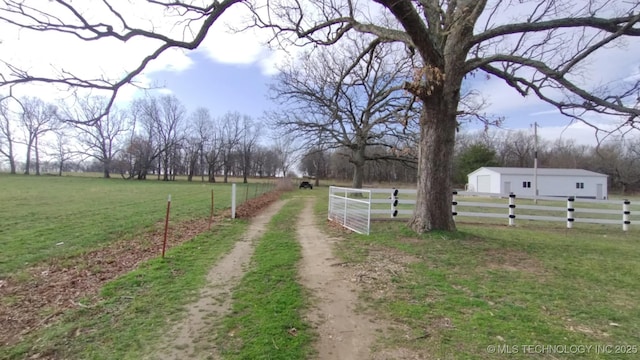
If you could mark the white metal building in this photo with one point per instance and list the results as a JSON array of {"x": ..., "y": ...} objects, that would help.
[{"x": 551, "y": 182}]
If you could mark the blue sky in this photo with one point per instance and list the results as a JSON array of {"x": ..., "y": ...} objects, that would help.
[
  {"x": 217, "y": 86},
  {"x": 223, "y": 87}
]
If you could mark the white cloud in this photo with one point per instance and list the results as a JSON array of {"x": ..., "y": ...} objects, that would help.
[
  {"x": 225, "y": 44},
  {"x": 50, "y": 54}
]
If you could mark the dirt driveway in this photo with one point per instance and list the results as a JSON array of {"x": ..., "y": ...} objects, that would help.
[{"x": 344, "y": 333}]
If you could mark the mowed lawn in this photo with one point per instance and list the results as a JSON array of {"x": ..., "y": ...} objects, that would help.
[
  {"x": 489, "y": 291},
  {"x": 51, "y": 217}
]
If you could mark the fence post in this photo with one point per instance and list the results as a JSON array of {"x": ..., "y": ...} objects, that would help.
[
  {"x": 570, "y": 212},
  {"x": 453, "y": 205},
  {"x": 330, "y": 214},
  {"x": 394, "y": 203},
  {"x": 512, "y": 209},
  {"x": 626, "y": 214},
  {"x": 233, "y": 200},
  {"x": 369, "y": 214},
  {"x": 344, "y": 219},
  {"x": 166, "y": 226}
]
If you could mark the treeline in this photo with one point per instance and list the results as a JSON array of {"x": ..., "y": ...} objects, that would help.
[
  {"x": 619, "y": 159},
  {"x": 336, "y": 164},
  {"x": 157, "y": 137},
  {"x": 154, "y": 136}
]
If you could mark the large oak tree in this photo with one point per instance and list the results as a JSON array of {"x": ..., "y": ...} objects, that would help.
[{"x": 536, "y": 47}]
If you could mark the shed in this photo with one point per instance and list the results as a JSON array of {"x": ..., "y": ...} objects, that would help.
[{"x": 551, "y": 182}]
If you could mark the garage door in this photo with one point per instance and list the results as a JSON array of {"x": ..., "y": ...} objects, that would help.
[{"x": 484, "y": 183}]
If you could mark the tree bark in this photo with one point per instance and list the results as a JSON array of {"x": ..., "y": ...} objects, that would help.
[
  {"x": 106, "y": 167},
  {"x": 437, "y": 140},
  {"x": 358, "y": 167},
  {"x": 27, "y": 164},
  {"x": 37, "y": 152}
]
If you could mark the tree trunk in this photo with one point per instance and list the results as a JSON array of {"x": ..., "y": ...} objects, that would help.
[
  {"x": 212, "y": 173},
  {"x": 245, "y": 169},
  {"x": 165, "y": 162},
  {"x": 37, "y": 151},
  {"x": 106, "y": 165},
  {"x": 358, "y": 167},
  {"x": 28, "y": 159},
  {"x": 437, "y": 139},
  {"x": 10, "y": 156}
]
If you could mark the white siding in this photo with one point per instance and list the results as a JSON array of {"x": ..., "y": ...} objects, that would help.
[
  {"x": 483, "y": 183},
  {"x": 561, "y": 184}
]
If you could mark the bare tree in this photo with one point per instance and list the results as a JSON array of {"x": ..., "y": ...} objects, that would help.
[
  {"x": 37, "y": 118},
  {"x": 285, "y": 146},
  {"x": 537, "y": 49},
  {"x": 170, "y": 130},
  {"x": 61, "y": 149},
  {"x": 213, "y": 149},
  {"x": 315, "y": 163},
  {"x": 621, "y": 161},
  {"x": 7, "y": 135},
  {"x": 331, "y": 98},
  {"x": 200, "y": 130},
  {"x": 265, "y": 161},
  {"x": 231, "y": 133},
  {"x": 162, "y": 120},
  {"x": 248, "y": 142},
  {"x": 99, "y": 139},
  {"x": 108, "y": 21}
]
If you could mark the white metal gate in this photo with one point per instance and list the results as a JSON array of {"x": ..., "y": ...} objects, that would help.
[{"x": 351, "y": 208}]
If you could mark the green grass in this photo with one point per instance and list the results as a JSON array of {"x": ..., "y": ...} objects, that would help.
[
  {"x": 494, "y": 285},
  {"x": 266, "y": 320},
  {"x": 37, "y": 213},
  {"x": 134, "y": 310}
]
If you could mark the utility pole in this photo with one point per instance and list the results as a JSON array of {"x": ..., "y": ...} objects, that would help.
[{"x": 535, "y": 163}]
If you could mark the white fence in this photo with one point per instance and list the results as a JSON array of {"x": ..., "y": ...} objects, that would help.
[
  {"x": 351, "y": 208},
  {"x": 398, "y": 203}
]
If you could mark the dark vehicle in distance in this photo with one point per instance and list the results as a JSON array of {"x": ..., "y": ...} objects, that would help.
[{"x": 306, "y": 185}]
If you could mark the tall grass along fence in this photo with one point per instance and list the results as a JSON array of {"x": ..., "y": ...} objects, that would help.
[
  {"x": 351, "y": 208},
  {"x": 399, "y": 203}
]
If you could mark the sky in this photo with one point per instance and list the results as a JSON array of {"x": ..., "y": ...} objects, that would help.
[{"x": 231, "y": 72}]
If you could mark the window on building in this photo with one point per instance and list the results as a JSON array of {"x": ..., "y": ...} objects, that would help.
[
  {"x": 579, "y": 185},
  {"x": 526, "y": 184}
]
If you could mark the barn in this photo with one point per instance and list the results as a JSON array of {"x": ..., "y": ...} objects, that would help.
[{"x": 551, "y": 182}]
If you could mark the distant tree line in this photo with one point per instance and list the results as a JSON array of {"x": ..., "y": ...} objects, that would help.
[
  {"x": 153, "y": 137},
  {"x": 157, "y": 137},
  {"x": 620, "y": 160}
]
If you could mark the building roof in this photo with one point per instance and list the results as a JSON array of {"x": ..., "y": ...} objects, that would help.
[{"x": 541, "y": 171}]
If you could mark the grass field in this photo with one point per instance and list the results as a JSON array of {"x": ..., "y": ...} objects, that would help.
[
  {"x": 488, "y": 291},
  {"x": 135, "y": 308},
  {"x": 82, "y": 213}
]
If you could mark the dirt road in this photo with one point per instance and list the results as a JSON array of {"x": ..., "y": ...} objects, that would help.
[
  {"x": 343, "y": 332},
  {"x": 191, "y": 338}
]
